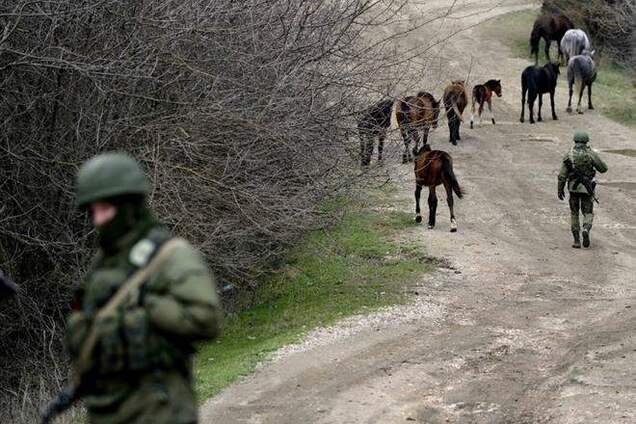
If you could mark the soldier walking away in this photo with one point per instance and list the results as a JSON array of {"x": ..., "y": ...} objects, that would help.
[
  {"x": 7, "y": 286},
  {"x": 578, "y": 169},
  {"x": 147, "y": 299}
]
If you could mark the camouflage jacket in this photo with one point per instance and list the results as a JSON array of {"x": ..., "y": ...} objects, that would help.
[
  {"x": 586, "y": 161},
  {"x": 140, "y": 370}
]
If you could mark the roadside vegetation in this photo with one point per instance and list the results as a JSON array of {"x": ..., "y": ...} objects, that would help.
[
  {"x": 353, "y": 266},
  {"x": 613, "y": 92}
]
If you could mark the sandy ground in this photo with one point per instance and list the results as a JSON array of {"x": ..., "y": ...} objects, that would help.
[{"x": 521, "y": 328}]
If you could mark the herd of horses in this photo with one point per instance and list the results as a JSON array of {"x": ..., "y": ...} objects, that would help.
[{"x": 417, "y": 115}]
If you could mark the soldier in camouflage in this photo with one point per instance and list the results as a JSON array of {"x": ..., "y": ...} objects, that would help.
[
  {"x": 578, "y": 169},
  {"x": 141, "y": 366}
]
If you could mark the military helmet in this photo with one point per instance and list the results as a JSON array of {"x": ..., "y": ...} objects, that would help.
[
  {"x": 581, "y": 137},
  {"x": 109, "y": 175}
]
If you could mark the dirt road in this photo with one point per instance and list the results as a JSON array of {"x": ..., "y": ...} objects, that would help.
[{"x": 523, "y": 329}]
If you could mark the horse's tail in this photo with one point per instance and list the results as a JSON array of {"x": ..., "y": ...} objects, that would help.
[
  {"x": 447, "y": 168},
  {"x": 535, "y": 37}
]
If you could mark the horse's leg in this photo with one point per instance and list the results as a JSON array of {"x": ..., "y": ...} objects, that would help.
[
  {"x": 523, "y": 102},
  {"x": 589, "y": 97},
  {"x": 364, "y": 141},
  {"x": 381, "y": 137},
  {"x": 548, "y": 43},
  {"x": 540, "y": 106},
  {"x": 472, "y": 114},
  {"x": 418, "y": 191},
  {"x": 570, "y": 92},
  {"x": 492, "y": 115},
  {"x": 481, "y": 110},
  {"x": 554, "y": 117},
  {"x": 578, "y": 105},
  {"x": 418, "y": 137},
  {"x": 449, "y": 200},
  {"x": 450, "y": 117},
  {"x": 425, "y": 132},
  {"x": 404, "y": 130},
  {"x": 432, "y": 206},
  {"x": 532, "y": 96}
]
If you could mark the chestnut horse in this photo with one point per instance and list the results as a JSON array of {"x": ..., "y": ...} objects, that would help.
[
  {"x": 455, "y": 101},
  {"x": 550, "y": 27},
  {"x": 432, "y": 168},
  {"x": 482, "y": 93},
  {"x": 416, "y": 115}
]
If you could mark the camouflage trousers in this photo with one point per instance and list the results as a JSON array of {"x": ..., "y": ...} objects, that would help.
[{"x": 585, "y": 204}]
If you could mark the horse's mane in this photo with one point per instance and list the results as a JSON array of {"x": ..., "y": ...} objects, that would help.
[{"x": 491, "y": 83}]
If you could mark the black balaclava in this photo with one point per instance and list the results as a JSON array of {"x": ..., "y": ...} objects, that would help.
[{"x": 131, "y": 219}]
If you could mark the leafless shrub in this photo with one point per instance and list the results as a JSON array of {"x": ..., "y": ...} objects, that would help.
[{"x": 241, "y": 111}]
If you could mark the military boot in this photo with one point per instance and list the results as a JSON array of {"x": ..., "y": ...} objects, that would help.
[
  {"x": 586, "y": 236},
  {"x": 577, "y": 240}
]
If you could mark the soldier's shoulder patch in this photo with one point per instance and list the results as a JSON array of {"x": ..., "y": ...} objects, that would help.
[{"x": 141, "y": 252}]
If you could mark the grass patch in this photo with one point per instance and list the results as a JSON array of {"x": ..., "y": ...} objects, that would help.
[
  {"x": 613, "y": 92},
  {"x": 351, "y": 267}
]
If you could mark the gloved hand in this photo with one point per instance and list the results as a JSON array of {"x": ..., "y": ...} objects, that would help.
[{"x": 561, "y": 190}]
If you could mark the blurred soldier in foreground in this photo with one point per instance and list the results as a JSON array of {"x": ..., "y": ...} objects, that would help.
[
  {"x": 145, "y": 302},
  {"x": 578, "y": 169},
  {"x": 7, "y": 287}
]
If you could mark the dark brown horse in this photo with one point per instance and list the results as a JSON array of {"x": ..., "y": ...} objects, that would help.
[
  {"x": 416, "y": 115},
  {"x": 455, "y": 101},
  {"x": 550, "y": 27},
  {"x": 373, "y": 123},
  {"x": 432, "y": 168},
  {"x": 482, "y": 93}
]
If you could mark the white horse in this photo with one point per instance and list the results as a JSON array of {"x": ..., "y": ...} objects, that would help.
[
  {"x": 582, "y": 72},
  {"x": 573, "y": 43}
]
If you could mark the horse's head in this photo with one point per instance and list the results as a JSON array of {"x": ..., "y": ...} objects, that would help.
[
  {"x": 461, "y": 83},
  {"x": 494, "y": 85},
  {"x": 553, "y": 67}
]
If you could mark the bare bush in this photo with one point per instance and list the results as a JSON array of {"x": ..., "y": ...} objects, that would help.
[{"x": 240, "y": 110}]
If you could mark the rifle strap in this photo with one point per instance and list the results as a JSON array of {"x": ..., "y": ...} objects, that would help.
[{"x": 132, "y": 284}]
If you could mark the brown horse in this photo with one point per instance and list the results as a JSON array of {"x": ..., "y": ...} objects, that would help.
[
  {"x": 550, "y": 27},
  {"x": 482, "y": 93},
  {"x": 373, "y": 123},
  {"x": 432, "y": 168},
  {"x": 416, "y": 115},
  {"x": 455, "y": 101}
]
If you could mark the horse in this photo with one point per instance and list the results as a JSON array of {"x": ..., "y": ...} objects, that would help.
[
  {"x": 432, "y": 168},
  {"x": 550, "y": 27},
  {"x": 582, "y": 71},
  {"x": 573, "y": 43},
  {"x": 416, "y": 115},
  {"x": 455, "y": 101},
  {"x": 483, "y": 93},
  {"x": 537, "y": 81},
  {"x": 374, "y": 122}
]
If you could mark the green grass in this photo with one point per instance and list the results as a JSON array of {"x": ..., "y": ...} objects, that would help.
[
  {"x": 613, "y": 92},
  {"x": 351, "y": 267}
]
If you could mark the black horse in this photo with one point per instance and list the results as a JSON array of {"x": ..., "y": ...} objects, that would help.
[
  {"x": 374, "y": 123},
  {"x": 536, "y": 81}
]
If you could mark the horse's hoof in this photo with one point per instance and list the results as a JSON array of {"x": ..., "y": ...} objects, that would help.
[
  {"x": 580, "y": 112},
  {"x": 471, "y": 125},
  {"x": 554, "y": 118},
  {"x": 418, "y": 219},
  {"x": 493, "y": 122},
  {"x": 539, "y": 119},
  {"x": 453, "y": 230},
  {"x": 568, "y": 110},
  {"x": 532, "y": 121},
  {"x": 590, "y": 107},
  {"x": 522, "y": 120},
  {"x": 430, "y": 227}
]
